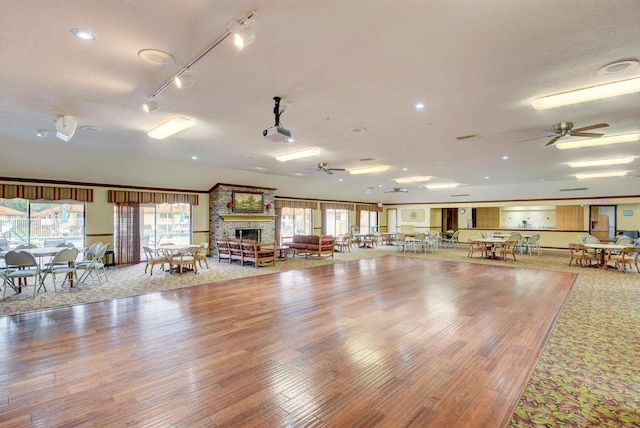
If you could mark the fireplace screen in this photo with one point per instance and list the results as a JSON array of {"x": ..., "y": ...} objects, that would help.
[{"x": 255, "y": 234}]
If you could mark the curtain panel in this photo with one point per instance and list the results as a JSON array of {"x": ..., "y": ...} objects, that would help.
[
  {"x": 279, "y": 203},
  {"x": 335, "y": 206},
  {"x": 51, "y": 193},
  {"x": 127, "y": 239},
  {"x": 120, "y": 196},
  {"x": 368, "y": 207}
]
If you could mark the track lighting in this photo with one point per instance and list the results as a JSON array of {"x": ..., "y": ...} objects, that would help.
[
  {"x": 150, "y": 106},
  {"x": 242, "y": 36},
  {"x": 183, "y": 80}
]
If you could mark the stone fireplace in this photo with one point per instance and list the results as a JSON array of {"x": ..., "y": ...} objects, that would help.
[{"x": 223, "y": 222}]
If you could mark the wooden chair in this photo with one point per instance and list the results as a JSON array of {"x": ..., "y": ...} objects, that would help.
[
  {"x": 476, "y": 246},
  {"x": 223, "y": 249},
  {"x": 509, "y": 248},
  {"x": 202, "y": 254},
  {"x": 343, "y": 243},
  {"x": 580, "y": 254},
  {"x": 182, "y": 260},
  {"x": 153, "y": 259},
  {"x": 628, "y": 256}
]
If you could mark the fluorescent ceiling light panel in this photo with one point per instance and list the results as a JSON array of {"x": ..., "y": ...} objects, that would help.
[
  {"x": 588, "y": 94},
  {"x": 412, "y": 179},
  {"x": 601, "y": 141},
  {"x": 297, "y": 155},
  {"x": 601, "y": 162},
  {"x": 441, "y": 186},
  {"x": 602, "y": 174},
  {"x": 368, "y": 170},
  {"x": 167, "y": 129}
]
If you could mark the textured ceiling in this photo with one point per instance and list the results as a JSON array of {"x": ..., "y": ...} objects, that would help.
[{"x": 343, "y": 66}]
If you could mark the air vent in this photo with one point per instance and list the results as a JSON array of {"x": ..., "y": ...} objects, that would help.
[
  {"x": 468, "y": 137},
  {"x": 575, "y": 189},
  {"x": 460, "y": 194}
]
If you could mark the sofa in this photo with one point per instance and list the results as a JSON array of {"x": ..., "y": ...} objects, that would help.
[
  {"x": 312, "y": 245},
  {"x": 246, "y": 251}
]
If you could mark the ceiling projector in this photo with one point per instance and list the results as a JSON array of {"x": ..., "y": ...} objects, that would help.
[{"x": 277, "y": 134}]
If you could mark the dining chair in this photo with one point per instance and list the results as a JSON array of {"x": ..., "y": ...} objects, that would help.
[
  {"x": 182, "y": 260},
  {"x": 202, "y": 254},
  {"x": 452, "y": 240},
  {"x": 508, "y": 248},
  {"x": 153, "y": 259},
  {"x": 399, "y": 241},
  {"x": 94, "y": 266},
  {"x": 627, "y": 256},
  {"x": 533, "y": 244},
  {"x": 343, "y": 243},
  {"x": 418, "y": 242},
  {"x": 580, "y": 254},
  {"x": 21, "y": 265},
  {"x": 63, "y": 262}
]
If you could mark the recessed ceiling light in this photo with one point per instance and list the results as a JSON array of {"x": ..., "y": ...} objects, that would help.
[
  {"x": 505, "y": 157},
  {"x": 297, "y": 154},
  {"x": 194, "y": 157},
  {"x": 405, "y": 169},
  {"x": 368, "y": 170},
  {"x": 42, "y": 133},
  {"x": 487, "y": 177},
  {"x": 601, "y": 141},
  {"x": 602, "y": 174},
  {"x": 617, "y": 67},
  {"x": 155, "y": 57},
  {"x": 340, "y": 179},
  {"x": 419, "y": 105},
  {"x": 601, "y": 162},
  {"x": 593, "y": 93},
  {"x": 83, "y": 34}
]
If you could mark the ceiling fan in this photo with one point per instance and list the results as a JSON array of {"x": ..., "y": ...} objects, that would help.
[
  {"x": 397, "y": 190},
  {"x": 563, "y": 129},
  {"x": 324, "y": 167}
]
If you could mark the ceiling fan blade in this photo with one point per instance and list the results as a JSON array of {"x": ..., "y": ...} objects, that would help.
[
  {"x": 328, "y": 171},
  {"x": 586, "y": 128},
  {"x": 535, "y": 138},
  {"x": 553, "y": 140},
  {"x": 587, "y": 134},
  {"x": 336, "y": 169}
]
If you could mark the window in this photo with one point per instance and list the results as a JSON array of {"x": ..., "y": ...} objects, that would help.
[
  {"x": 40, "y": 222},
  {"x": 336, "y": 222},
  {"x": 295, "y": 221},
  {"x": 368, "y": 221},
  {"x": 165, "y": 223}
]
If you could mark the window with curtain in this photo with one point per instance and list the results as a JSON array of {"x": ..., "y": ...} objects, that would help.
[
  {"x": 41, "y": 222},
  {"x": 295, "y": 221},
  {"x": 336, "y": 221},
  {"x": 368, "y": 221}
]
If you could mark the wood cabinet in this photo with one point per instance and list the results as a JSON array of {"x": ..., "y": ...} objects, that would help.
[{"x": 569, "y": 217}]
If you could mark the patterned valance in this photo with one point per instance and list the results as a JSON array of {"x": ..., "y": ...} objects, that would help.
[
  {"x": 335, "y": 206},
  {"x": 279, "y": 203},
  {"x": 118, "y": 196},
  {"x": 10, "y": 191},
  {"x": 368, "y": 207}
]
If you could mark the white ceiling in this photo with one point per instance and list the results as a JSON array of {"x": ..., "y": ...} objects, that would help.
[{"x": 341, "y": 65}]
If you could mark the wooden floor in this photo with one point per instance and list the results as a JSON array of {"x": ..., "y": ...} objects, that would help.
[{"x": 392, "y": 341}]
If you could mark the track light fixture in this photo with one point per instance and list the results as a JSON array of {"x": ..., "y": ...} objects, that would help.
[
  {"x": 150, "y": 106},
  {"x": 183, "y": 80},
  {"x": 243, "y": 35}
]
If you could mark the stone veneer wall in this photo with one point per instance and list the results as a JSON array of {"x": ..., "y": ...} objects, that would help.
[{"x": 218, "y": 200}]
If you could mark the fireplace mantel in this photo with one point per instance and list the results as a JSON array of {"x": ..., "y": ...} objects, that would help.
[{"x": 247, "y": 217}]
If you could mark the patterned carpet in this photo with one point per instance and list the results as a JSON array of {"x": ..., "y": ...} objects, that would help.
[{"x": 588, "y": 374}]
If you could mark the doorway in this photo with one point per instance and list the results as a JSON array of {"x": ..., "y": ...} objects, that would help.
[
  {"x": 392, "y": 220},
  {"x": 602, "y": 221},
  {"x": 449, "y": 219}
]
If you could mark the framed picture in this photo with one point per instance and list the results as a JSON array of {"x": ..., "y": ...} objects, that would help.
[{"x": 248, "y": 202}]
